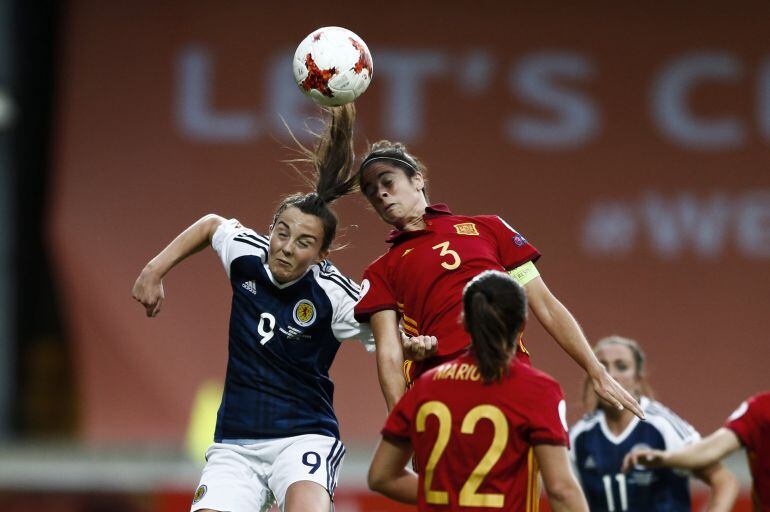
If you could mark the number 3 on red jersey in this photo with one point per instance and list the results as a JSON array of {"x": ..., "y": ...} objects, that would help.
[
  {"x": 468, "y": 496},
  {"x": 454, "y": 262}
]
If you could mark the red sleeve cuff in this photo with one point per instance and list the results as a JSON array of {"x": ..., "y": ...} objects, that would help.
[
  {"x": 363, "y": 315},
  {"x": 391, "y": 436},
  {"x": 532, "y": 257}
]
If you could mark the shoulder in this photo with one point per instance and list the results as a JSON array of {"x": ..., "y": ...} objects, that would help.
[
  {"x": 494, "y": 221},
  {"x": 760, "y": 403},
  {"x": 232, "y": 229},
  {"x": 756, "y": 407},
  {"x": 672, "y": 427},
  {"x": 336, "y": 285},
  {"x": 585, "y": 424},
  {"x": 381, "y": 260},
  {"x": 536, "y": 381}
]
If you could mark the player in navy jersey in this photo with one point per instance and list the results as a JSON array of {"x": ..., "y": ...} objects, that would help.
[
  {"x": 747, "y": 427},
  {"x": 416, "y": 286},
  {"x": 602, "y": 438},
  {"x": 276, "y": 433},
  {"x": 481, "y": 424}
]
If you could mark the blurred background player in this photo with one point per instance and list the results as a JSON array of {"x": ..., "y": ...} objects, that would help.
[
  {"x": 433, "y": 255},
  {"x": 277, "y": 433},
  {"x": 748, "y": 427},
  {"x": 605, "y": 435},
  {"x": 481, "y": 424}
]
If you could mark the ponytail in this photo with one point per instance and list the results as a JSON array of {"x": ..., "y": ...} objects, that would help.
[
  {"x": 333, "y": 176},
  {"x": 495, "y": 312}
]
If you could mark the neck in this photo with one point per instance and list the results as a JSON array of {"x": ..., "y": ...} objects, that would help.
[
  {"x": 415, "y": 220},
  {"x": 617, "y": 421}
]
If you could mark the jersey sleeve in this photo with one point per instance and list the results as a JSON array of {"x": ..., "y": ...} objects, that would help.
[
  {"x": 676, "y": 432},
  {"x": 231, "y": 240},
  {"x": 398, "y": 424},
  {"x": 343, "y": 294},
  {"x": 548, "y": 416},
  {"x": 514, "y": 250},
  {"x": 747, "y": 422},
  {"x": 376, "y": 293}
]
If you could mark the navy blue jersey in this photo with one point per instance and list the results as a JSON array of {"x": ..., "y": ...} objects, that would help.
[
  {"x": 283, "y": 339},
  {"x": 597, "y": 455}
]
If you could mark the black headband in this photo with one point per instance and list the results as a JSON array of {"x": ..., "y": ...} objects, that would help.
[{"x": 392, "y": 156}]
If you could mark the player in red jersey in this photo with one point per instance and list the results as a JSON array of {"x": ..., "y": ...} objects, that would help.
[
  {"x": 480, "y": 424},
  {"x": 416, "y": 287},
  {"x": 748, "y": 426}
]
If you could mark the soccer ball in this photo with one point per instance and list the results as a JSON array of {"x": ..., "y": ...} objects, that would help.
[{"x": 333, "y": 66}]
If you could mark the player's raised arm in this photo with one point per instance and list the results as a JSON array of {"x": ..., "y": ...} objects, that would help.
[
  {"x": 148, "y": 288},
  {"x": 563, "y": 327},
  {"x": 708, "y": 451}
]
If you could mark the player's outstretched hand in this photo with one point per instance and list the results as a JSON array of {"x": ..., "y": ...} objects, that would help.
[
  {"x": 646, "y": 457},
  {"x": 148, "y": 290},
  {"x": 418, "y": 348},
  {"x": 609, "y": 389}
]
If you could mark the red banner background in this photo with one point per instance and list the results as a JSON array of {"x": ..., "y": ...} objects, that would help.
[{"x": 632, "y": 148}]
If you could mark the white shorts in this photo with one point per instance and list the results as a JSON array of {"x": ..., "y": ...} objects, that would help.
[{"x": 251, "y": 477}]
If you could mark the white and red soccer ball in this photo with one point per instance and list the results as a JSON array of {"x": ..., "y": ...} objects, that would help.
[{"x": 333, "y": 66}]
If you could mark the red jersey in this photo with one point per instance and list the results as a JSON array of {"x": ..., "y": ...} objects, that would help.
[
  {"x": 474, "y": 440},
  {"x": 423, "y": 275},
  {"x": 751, "y": 423}
]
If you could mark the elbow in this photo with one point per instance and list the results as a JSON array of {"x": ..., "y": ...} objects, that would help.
[
  {"x": 374, "y": 480},
  {"x": 725, "y": 485},
  {"x": 566, "y": 495}
]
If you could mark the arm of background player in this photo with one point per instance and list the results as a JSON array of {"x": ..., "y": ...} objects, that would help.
[
  {"x": 705, "y": 452},
  {"x": 390, "y": 356},
  {"x": 564, "y": 493},
  {"x": 724, "y": 487},
  {"x": 388, "y": 474},
  {"x": 563, "y": 327},
  {"x": 148, "y": 288}
]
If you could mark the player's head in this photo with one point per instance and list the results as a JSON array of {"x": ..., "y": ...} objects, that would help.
[
  {"x": 304, "y": 225},
  {"x": 495, "y": 311},
  {"x": 393, "y": 181},
  {"x": 625, "y": 362}
]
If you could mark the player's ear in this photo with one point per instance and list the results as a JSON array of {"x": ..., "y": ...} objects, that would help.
[
  {"x": 321, "y": 256},
  {"x": 418, "y": 180}
]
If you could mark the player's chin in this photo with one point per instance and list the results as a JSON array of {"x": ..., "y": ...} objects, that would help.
[
  {"x": 281, "y": 274},
  {"x": 605, "y": 405}
]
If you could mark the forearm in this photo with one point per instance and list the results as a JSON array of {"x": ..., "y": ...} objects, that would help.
[
  {"x": 705, "y": 452},
  {"x": 191, "y": 240},
  {"x": 391, "y": 376},
  {"x": 562, "y": 326},
  {"x": 390, "y": 356}
]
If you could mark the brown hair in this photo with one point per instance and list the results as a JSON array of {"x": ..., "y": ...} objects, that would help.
[
  {"x": 396, "y": 154},
  {"x": 495, "y": 308},
  {"x": 332, "y": 160}
]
